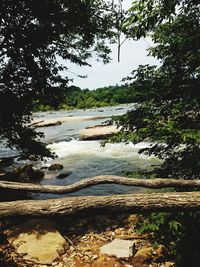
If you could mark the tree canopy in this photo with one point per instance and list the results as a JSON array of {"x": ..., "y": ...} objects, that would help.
[
  {"x": 35, "y": 37},
  {"x": 167, "y": 113}
]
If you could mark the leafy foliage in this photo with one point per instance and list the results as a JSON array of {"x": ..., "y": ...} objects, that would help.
[
  {"x": 74, "y": 97},
  {"x": 178, "y": 232},
  {"x": 167, "y": 113},
  {"x": 35, "y": 36}
]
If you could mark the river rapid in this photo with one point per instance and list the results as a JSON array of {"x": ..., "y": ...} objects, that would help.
[{"x": 83, "y": 159}]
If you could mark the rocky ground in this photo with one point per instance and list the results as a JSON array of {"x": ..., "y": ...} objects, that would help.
[{"x": 92, "y": 241}]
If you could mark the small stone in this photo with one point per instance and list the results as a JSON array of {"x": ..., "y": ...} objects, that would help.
[
  {"x": 117, "y": 232},
  {"x": 119, "y": 248},
  {"x": 55, "y": 167},
  {"x": 133, "y": 218},
  {"x": 161, "y": 251},
  {"x": 145, "y": 253},
  {"x": 63, "y": 175},
  {"x": 130, "y": 231}
]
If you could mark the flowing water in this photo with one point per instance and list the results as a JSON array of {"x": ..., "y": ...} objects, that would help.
[{"x": 83, "y": 159}]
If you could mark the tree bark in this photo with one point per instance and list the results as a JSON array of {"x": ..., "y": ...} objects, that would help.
[
  {"x": 103, "y": 204},
  {"x": 104, "y": 179}
]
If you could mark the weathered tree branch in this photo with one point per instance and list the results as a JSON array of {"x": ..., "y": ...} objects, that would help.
[
  {"x": 104, "y": 179},
  {"x": 102, "y": 204}
]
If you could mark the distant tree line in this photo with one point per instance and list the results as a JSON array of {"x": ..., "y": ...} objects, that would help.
[{"x": 75, "y": 97}]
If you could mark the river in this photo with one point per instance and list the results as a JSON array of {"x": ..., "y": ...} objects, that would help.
[{"x": 83, "y": 159}]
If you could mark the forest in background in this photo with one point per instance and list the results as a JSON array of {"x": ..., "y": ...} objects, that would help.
[{"x": 75, "y": 97}]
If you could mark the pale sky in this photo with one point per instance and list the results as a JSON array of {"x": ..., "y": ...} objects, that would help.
[{"x": 133, "y": 53}]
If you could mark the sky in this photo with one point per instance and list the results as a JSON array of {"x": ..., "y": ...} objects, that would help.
[{"x": 133, "y": 54}]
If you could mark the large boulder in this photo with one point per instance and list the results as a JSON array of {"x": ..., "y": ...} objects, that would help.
[
  {"x": 37, "y": 241},
  {"x": 99, "y": 132},
  {"x": 27, "y": 172}
]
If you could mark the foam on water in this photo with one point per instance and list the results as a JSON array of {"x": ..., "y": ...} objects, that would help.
[{"x": 94, "y": 148}]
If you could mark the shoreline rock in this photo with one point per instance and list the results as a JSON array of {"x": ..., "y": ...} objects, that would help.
[
  {"x": 85, "y": 236},
  {"x": 37, "y": 241},
  {"x": 25, "y": 173}
]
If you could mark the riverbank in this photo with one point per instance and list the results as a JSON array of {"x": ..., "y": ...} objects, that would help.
[{"x": 83, "y": 243}]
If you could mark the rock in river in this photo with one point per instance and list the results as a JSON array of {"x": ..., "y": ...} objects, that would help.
[
  {"x": 63, "y": 175},
  {"x": 55, "y": 167},
  {"x": 97, "y": 132},
  {"x": 25, "y": 174}
]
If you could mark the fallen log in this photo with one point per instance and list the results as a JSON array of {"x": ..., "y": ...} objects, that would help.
[
  {"x": 103, "y": 204},
  {"x": 103, "y": 179}
]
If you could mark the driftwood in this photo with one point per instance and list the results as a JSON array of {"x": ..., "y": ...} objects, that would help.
[
  {"x": 102, "y": 204},
  {"x": 104, "y": 179}
]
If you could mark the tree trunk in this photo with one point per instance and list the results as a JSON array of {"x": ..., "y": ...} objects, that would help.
[
  {"x": 103, "y": 204},
  {"x": 104, "y": 179}
]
